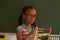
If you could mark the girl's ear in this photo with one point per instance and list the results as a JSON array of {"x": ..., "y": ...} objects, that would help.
[{"x": 23, "y": 16}]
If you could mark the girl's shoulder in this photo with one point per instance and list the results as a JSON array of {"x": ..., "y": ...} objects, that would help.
[{"x": 19, "y": 28}]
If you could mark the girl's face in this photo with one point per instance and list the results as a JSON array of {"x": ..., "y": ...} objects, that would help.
[{"x": 30, "y": 15}]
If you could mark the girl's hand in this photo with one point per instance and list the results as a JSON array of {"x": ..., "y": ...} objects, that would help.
[{"x": 35, "y": 33}]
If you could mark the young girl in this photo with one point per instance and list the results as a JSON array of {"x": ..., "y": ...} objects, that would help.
[{"x": 27, "y": 30}]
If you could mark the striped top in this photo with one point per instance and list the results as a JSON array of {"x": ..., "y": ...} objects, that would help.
[{"x": 25, "y": 31}]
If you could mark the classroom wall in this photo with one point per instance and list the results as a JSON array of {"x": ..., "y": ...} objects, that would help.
[{"x": 48, "y": 14}]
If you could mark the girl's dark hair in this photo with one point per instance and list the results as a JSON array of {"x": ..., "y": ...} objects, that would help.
[{"x": 20, "y": 21}]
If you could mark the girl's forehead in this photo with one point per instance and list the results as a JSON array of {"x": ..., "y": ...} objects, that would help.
[{"x": 30, "y": 11}]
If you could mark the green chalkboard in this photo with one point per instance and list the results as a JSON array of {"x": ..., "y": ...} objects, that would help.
[{"x": 48, "y": 14}]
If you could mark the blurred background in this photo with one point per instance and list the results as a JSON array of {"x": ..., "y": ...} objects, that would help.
[{"x": 48, "y": 12}]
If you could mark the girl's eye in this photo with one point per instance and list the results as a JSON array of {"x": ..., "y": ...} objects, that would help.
[{"x": 31, "y": 16}]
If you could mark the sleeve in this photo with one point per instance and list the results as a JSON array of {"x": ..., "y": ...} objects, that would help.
[{"x": 19, "y": 28}]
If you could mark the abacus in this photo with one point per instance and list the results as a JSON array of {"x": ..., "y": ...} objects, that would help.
[{"x": 44, "y": 33}]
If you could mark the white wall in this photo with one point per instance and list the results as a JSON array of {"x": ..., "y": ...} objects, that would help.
[
  {"x": 9, "y": 36},
  {"x": 12, "y": 36}
]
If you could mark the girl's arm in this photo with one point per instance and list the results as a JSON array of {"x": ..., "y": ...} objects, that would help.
[
  {"x": 34, "y": 33},
  {"x": 19, "y": 35}
]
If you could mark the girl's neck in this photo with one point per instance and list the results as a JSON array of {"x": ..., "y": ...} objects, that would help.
[{"x": 27, "y": 24}]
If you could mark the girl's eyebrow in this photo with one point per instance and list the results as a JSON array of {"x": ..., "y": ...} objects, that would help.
[
  {"x": 34, "y": 14},
  {"x": 31, "y": 14}
]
